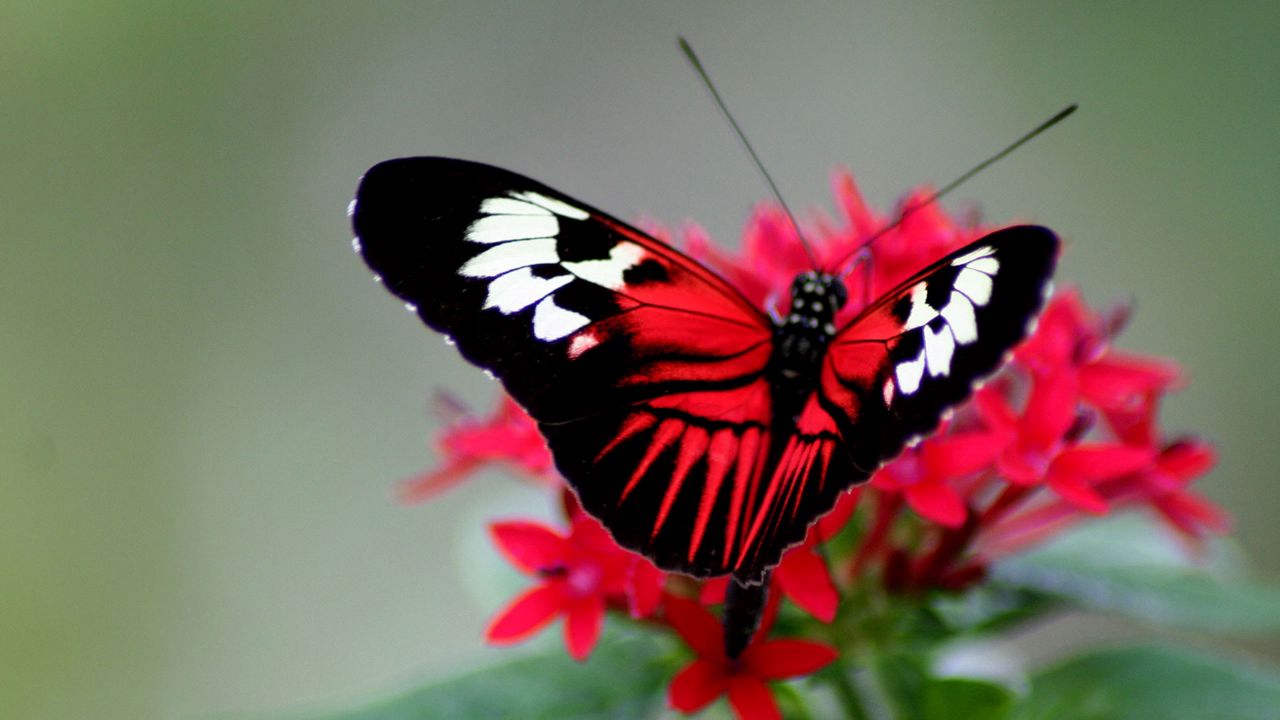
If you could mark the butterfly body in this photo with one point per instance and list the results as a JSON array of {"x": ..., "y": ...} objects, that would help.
[
  {"x": 801, "y": 337},
  {"x": 697, "y": 430}
]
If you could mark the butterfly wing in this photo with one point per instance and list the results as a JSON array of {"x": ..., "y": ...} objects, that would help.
[
  {"x": 644, "y": 370},
  {"x": 893, "y": 371}
]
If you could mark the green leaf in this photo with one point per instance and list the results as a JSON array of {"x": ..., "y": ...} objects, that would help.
[
  {"x": 1151, "y": 683},
  {"x": 963, "y": 698},
  {"x": 991, "y": 607},
  {"x": 902, "y": 677},
  {"x": 904, "y": 680},
  {"x": 1132, "y": 568},
  {"x": 624, "y": 678}
]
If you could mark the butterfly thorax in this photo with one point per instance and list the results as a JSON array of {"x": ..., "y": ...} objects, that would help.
[{"x": 800, "y": 338}]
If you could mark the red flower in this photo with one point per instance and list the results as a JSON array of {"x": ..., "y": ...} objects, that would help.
[
  {"x": 509, "y": 435},
  {"x": 1071, "y": 339},
  {"x": 1164, "y": 485},
  {"x": 924, "y": 473},
  {"x": 578, "y": 573},
  {"x": 745, "y": 680},
  {"x": 1037, "y": 447}
]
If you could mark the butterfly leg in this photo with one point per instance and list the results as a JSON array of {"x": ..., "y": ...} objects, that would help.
[{"x": 743, "y": 608}]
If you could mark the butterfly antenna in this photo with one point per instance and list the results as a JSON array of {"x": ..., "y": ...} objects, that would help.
[
  {"x": 1057, "y": 118},
  {"x": 692, "y": 57}
]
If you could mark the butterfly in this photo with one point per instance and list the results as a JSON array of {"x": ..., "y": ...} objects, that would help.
[{"x": 700, "y": 431}]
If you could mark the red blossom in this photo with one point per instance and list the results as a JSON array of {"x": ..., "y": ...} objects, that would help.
[
  {"x": 744, "y": 681},
  {"x": 578, "y": 574},
  {"x": 1071, "y": 339},
  {"x": 1036, "y": 446},
  {"x": 924, "y": 474},
  {"x": 509, "y": 436}
]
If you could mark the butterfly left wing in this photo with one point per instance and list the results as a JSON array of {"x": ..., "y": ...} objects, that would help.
[
  {"x": 893, "y": 371},
  {"x": 576, "y": 312},
  {"x": 644, "y": 370}
]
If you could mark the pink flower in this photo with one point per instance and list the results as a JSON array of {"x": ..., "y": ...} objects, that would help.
[
  {"x": 745, "y": 680},
  {"x": 509, "y": 436},
  {"x": 1165, "y": 486},
  {"x": 924, "y": 474},
  {"x": 1037, "y": 447},
  {"x": 578, "y": 574}
]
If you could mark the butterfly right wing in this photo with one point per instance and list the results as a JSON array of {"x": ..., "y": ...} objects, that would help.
[{"x": 892, "y": 373}]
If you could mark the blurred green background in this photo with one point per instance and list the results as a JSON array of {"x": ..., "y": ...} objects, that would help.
[{"x": 207, "y": 401}]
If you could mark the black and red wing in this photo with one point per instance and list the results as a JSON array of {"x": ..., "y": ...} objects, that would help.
[
  {"x": 893, "y": 371},
  {"x": 576, "y": 312},
  {"x": 644, "y": 370}
]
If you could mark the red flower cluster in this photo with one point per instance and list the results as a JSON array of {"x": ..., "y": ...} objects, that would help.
[{"x": 1067, "y": 431}]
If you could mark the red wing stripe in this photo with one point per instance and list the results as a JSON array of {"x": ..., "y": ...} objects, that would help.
[
  {"x": 635, "y": 423},
  {"x": 724, "y": 447},
  {"x": 748, "y": 470},
  {"x": 827, "y": 447},
  {"x": 692, "y": 447},
  {"x": 762, "y": 510},
  {"x": 668, "y": 430}
]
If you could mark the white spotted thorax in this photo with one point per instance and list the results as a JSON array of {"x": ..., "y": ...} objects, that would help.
[
  {"x": 803, "y": 333},
  {"x": 523, "y": 230}
]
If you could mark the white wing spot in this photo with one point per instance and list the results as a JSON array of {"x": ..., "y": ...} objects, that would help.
[
  {"x": 501, "y": 228},
  {"x": 552, "y": 322},
  {"x": 411, "y": 307},
  {"x": 967, "y": 258},
  {"x": 520, "y": 288},
  {"x": 988, "y": 265},
  {"x": 351, "y": 207},
  {"x": 921, "y": 311},
  {"x": 355, "y": 245},
  {"x": 608, "y": 272},
  {"x": 888, "y": 392},
  {"x": 509, "y": 256},
  {"x": 555, "y": 206},
  {"x": 977, "y": 285},
  {"x": 511, "y": 206},
  {"x": 582, "y": 343},
  {"x": 960, "y": 317},
  {"x": 909, "y": 373},
  {"x": 938, "y": 349}
]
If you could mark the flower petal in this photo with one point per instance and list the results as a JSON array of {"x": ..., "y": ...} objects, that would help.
[
  {"x": 803, "y": 576},
  {"x": 1077, "y": 491},
  {"x": 960, "y": 454},
  {"x": 751, "y": 699},
  {"x": 696, "y": 685},
  {"x": 1050, "y": 410},
  {"x": 1187, "y": 459},
  {"x": 582, "y": 623},
  {"x": 713, "y": 590},
  {"x": 527, "y": 614},
  {"x": 428, "y": 485},
  {"x": 644, "y": 583},
  {"x": 1116, "y": 379},
  {"x": 696, "y": 625},
  {"x": 530, "y": 546},
  {"x": 938, "y": 502},
  {"x": 1103, "y": 461},
  {"x": 778, "y": 659},
  {"x": 1192, "y": 515}
]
